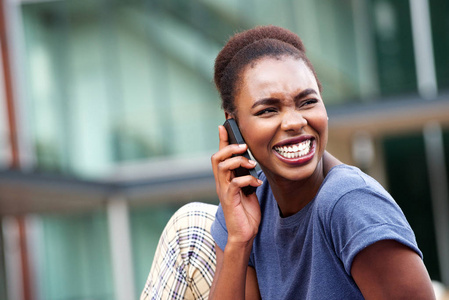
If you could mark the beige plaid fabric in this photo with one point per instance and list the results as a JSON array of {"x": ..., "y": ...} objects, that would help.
[{"x": 184, "y": 262}]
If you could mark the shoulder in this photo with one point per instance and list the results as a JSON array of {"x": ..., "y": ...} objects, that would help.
[
  {"x": 350, "y": 177},
  {"x": 343, "y": 179},
  {"x": 347, "y": 192},
  {"x": 356, "y": 211}
]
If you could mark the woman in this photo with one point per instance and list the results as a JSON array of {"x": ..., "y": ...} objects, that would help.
[{"x": 316, "y": 228}]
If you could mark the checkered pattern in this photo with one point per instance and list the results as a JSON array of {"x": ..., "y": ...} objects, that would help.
[{"x": 184, "y": 262}]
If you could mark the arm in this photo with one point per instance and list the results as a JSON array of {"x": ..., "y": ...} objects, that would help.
[
  {"x": 242, "y": 216},
  {"x": 390, "y": 270},
  {"x": 226, "y": 275}
]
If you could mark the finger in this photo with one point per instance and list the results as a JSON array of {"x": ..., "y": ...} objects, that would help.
[
  {"x": 223, "y": 137},
  {"x": 248, "y": 180},
  {"x": 226, "y": 153},
  {"x": 226, "y": 172},
  {"x": 225, "y": 168},
  {"x": 238, "y": 183}
]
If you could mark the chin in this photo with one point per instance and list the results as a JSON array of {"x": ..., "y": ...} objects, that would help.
[{"x": 295, "y": 173}]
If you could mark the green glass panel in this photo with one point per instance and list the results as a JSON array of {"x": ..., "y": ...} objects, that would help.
[
  {"x": 147, "y": 225},
  {"x": 76, "y": 259},
  {"x": 409, "y": 185},
  {"x": 439, "y": 13},
  {"x": 394, "y": 46},
  {"x": 3, "y": 292}
]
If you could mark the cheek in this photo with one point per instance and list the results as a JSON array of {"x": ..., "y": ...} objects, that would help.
[
  {"x": 320, "y": 124},
  {"x": 257, "y": 135}
]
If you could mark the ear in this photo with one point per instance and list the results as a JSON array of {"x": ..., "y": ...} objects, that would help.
[{"x": 228, "y": 115}]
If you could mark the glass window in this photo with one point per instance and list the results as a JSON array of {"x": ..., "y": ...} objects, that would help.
[
  {"x": 394, "y": 46},
  {"x": 147, "y": 224},
  {"x": 5, "y": 149},
  {"x": 3, "y": 292},
  {"x": 114, "y": 82},
  {"x": 439, "y": 13},
  {"x": 75, "y": 262},
  {"x": 409, "y": 185}
]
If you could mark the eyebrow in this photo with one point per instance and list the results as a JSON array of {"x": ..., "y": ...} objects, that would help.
[
  {"x": 266, "y": 101},
  {"x": 305, "y": 93},
  {"x": 271, "y": 101}
]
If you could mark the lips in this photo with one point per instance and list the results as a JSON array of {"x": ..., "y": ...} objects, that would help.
[{"x": 295, "y": 149}]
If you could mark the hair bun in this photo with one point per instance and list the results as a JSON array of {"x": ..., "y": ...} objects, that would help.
[{"x": 245, "y": 38}]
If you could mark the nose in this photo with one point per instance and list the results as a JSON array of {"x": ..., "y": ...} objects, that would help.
[{"x": 293, "y": 120}]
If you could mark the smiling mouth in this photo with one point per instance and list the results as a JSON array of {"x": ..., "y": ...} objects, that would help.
[{"x": 294, "y": 150}]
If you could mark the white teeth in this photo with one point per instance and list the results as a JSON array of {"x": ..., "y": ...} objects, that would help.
[{"x": 294, "y": 151}]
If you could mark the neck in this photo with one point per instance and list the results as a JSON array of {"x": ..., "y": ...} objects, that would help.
[{"x": 292, "y": 196}]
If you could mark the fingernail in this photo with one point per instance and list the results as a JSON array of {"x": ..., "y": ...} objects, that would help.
[
  {"x": 242, "y": 145},
  {"x": 252, "y": 162},
  {"x": 259, "y": 181}
]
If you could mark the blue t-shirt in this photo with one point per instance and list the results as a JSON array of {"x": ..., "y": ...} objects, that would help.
[{"x": 309, "y": 255}]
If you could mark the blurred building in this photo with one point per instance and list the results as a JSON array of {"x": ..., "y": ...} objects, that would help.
[{"x": 109, "y": 115}]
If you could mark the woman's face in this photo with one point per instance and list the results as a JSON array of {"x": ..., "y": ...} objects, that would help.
[{"x": 282, "y": 117}]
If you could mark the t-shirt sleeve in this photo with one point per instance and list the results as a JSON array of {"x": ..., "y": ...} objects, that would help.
[
  {"x": 363, "y": 217},
  {"x": 218, "y": 229}
]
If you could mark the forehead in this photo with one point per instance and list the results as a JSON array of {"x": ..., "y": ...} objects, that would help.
[{"x": 273, "y": 75}]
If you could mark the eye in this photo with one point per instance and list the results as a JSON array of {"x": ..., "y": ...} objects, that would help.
[
  {"x": 266, "y": 111},
  {"x": 308, "y": 102}
]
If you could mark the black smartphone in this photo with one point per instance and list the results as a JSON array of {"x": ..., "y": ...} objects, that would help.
[{"x": 235, "y": 137}]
